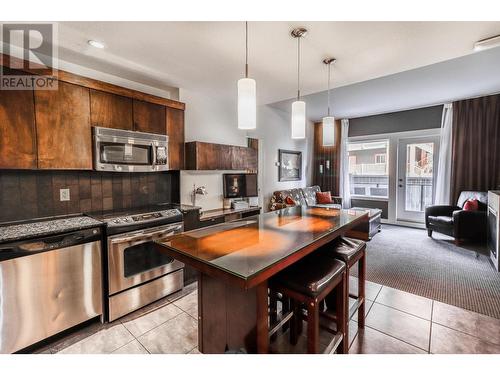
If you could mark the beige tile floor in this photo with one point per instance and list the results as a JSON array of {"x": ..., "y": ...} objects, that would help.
[{"x": 396, "y": 322}]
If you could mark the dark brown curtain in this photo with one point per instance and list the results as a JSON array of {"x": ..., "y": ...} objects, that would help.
[
  {"x": 326, "y": 178},
  {"x": 476, "y": 145}
]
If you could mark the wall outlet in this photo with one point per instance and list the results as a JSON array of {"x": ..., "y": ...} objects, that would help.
[{"x": 63, "y": 195}]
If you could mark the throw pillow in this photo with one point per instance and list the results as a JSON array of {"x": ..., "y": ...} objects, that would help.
[
  {"x": 471, "y": 205},
  {"x": 324, "y": 197},
  {"x": 290, "y": 201}
]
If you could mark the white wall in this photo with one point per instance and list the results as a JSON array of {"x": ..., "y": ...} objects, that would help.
[{"x": 211, "y": 120}]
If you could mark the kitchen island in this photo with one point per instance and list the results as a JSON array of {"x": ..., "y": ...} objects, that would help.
[{"x": 235, "y": 261}]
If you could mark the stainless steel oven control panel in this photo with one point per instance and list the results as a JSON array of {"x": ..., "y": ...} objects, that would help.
[{"x": 144, "y": 217}]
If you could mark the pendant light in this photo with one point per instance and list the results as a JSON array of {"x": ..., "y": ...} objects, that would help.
[
  {"x": 329, "y": 121},
  {"x": 247, "y": 101},
  {"x": 298, "y": 106}
]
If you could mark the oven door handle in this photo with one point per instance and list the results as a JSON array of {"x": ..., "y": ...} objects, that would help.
[{"x": 138, "y": 236}]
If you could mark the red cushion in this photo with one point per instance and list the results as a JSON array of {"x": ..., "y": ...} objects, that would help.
[
  {"x": 471, "y": 205},
  {"x": 290, "y": 201},
  {"x": 324, "y": 197}
]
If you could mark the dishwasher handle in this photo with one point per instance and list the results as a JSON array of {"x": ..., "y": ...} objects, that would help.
[{"x": 40, "y": 244}]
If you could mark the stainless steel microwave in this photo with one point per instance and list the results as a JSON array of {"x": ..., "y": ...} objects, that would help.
[{"x": 119, "y": 150}]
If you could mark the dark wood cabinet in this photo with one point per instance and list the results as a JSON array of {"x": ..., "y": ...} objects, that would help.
[
  {"x": 17, "y": 130},
  {"x": 149, "y": 117},
  {"x": 110, "y": 110},
  {"x": 213, "y": 156},
  {"x": 243, "y": 158},
  {"x": 224, "y": 157},
  {"x": 175, "y": 132},
  {"x": 201, "y": 155},
  {"x": 63, "y": 127}
]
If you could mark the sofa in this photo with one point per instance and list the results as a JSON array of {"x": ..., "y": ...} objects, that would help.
[
  {"x": 300, "y": 196},
  {"x": 307, "y": 197},
  {"x": 455, "y": 222}
]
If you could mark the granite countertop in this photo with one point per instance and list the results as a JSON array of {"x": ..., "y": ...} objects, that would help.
[
  {"x": 187, "y": 207},
  {"x": 44, "y": 227}
]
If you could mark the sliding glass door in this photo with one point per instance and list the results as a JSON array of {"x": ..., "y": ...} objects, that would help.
[{"x": 416, "y": 174}]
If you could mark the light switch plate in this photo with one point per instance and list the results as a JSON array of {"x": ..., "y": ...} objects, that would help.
[{"x": 63, "y": 195}]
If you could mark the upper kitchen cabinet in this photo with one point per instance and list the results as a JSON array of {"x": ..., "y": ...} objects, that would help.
[
  {"x": 149, "y": 117},
  {"x": 63, "y": 127},
  {"x": 110, "y": 110},
  {"x": 212, "y": 156},
  {"x": 243, "y": 158},
  {"x": 175, "y": 132},
  {"x": 17, "y": 130}
]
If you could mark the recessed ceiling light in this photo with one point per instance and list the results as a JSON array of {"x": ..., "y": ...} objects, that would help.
[
  {"x": 488, "y": 43},
  {"x": 96, "y": 44}
]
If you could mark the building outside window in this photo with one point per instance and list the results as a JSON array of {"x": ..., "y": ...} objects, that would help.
[
  {"x": 368, "y": 168},
  {"x": 419, "y": 176},
  {"x": 380, "y": 158}
]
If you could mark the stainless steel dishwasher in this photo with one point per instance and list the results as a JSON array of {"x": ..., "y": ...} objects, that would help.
[{"x": 47, "y": 285}]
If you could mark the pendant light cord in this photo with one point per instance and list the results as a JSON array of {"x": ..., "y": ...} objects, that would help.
[
  {"x": 298, "y": 68},
  {"x": 329, "y": 65},
  {"x": 246, "y": 49}
]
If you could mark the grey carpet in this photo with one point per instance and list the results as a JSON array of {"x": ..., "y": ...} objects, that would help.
[{"x": 406, "y": 259}]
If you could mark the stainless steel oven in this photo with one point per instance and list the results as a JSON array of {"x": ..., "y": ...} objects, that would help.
[
  {"x": 128, "y": 151},
  {"x": 138, "y": 273}
]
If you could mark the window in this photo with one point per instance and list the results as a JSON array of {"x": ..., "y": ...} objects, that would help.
[
  {"x": 380, "y": 158},
  {"x": 368, "y": 168}
]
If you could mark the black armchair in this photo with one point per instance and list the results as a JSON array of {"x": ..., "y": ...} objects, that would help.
[{"x": 457, "y": 223}]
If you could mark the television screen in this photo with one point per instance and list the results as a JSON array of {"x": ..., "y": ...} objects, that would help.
[{"x": 240, "y": 185}]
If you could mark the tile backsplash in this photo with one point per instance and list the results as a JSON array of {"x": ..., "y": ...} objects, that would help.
[{"x": 34, "y": 194}]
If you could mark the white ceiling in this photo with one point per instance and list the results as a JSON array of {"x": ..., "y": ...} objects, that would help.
[
  {"x": 209, "y": 56},
  {"x": 460, "y": 78}
]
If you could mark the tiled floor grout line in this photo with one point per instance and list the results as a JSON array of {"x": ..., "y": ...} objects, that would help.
[
  {"x": 381, "y": 286},
  {"x": 159, "y": 325},
  {"x": 366, "y": 315},
  {"x": 395, "y": 338},
  {"x": 146, "y": 349},
  {"x": 468, "y": 334},
  {"x": 134, "y": 339},
  {"x": 430, "y": 330},
  {"x": 185, "y": 310},
  {"x": 406, "y": 312}
]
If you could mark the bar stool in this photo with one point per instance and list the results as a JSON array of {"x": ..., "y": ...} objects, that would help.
[
  {"x": 307, "y": 283},
  {"x": 350, "y": 251}
]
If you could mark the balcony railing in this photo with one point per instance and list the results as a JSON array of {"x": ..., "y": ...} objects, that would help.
[
  {"x": 369, "y": 185},
  {"x": 418, "y": 193},
  {"x": 368, "y": 169},
  {"x": 418, "y": 189}
]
